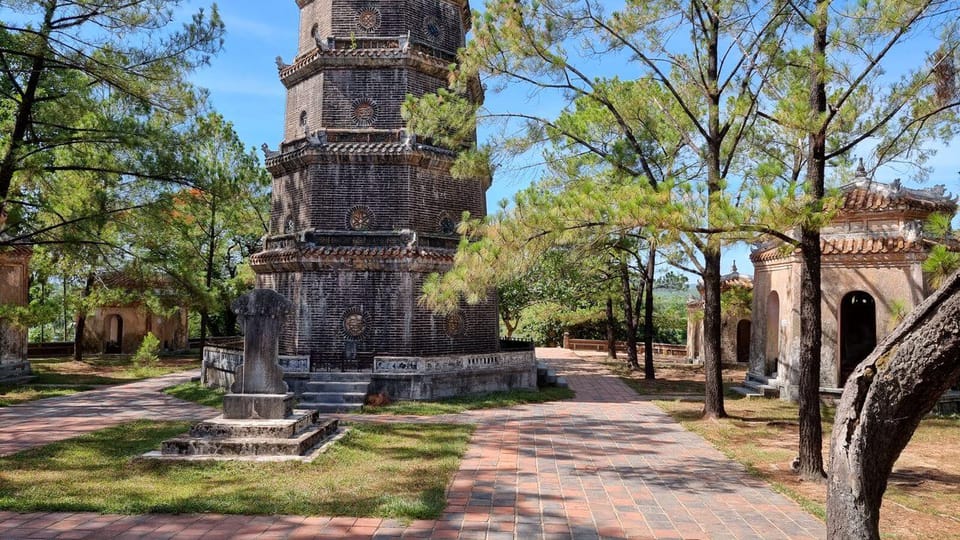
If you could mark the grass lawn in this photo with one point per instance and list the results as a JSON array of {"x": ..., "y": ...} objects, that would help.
[
  {"x": 13, "y": 394},
  {"x": 673, "y": 379},
  {"x": 104, "y": 369},
  {"x": 923, "y": 495},
  {"x": 392, "y": 471},
  {"x": 197, "y": 393},
  {"x": 455, "y": 405}
]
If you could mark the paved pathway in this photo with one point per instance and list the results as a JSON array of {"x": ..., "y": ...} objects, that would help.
[
  {"x": 36, "y": 423},
  {"x": 605, "y": 465}
]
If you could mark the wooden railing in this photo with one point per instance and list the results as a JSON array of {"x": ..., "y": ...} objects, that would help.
[{"x": 661, "y": 351}]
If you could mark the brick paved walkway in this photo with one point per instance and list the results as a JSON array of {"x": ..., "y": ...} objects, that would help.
[
  {"x": 45, "y": 421},
  {"x": 605, "y": 465}
]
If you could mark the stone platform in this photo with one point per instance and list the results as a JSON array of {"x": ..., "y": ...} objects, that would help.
[
  {"x": 15, "y": 372},
  {"x": 300, "y": 437}
]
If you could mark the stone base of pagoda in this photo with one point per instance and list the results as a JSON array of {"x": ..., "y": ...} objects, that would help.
[{"x": 436, "y": 377}]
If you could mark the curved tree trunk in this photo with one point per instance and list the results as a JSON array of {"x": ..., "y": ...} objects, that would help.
[{"x": 883, "y": 401}]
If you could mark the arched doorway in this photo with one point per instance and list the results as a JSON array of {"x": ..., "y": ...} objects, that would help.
[
  {"x": 773, "y": 332},
  {"x": 858, "y": 330},
  {"x": 114, "y": 344},
  {"x": 743, "y": 341}
]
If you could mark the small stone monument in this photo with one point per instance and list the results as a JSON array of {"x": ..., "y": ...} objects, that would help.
[
  {"x": 259, "y": 391},
  {"x": 258, "y": 420}
]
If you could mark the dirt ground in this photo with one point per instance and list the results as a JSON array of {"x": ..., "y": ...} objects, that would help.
[{"x": 923, "y": 495}]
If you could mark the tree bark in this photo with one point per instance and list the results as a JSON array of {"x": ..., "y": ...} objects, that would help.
[
  {"x": 208, "y": 271},
  {"x": 712, "y": 361},
  {"x": 611, "y": 331},
  {"x": 629, "y": 317},
  {"x": 882, "y": 404},
  {"x": 82, "y": 320},
  {"x": 811, "y": 430},
  {"x": 648, "y": 372}
]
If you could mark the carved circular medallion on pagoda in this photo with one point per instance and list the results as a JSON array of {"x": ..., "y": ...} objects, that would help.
[
  {"x": 447, "y": 224},
  {"x": 364, "y": 112},
  {"x": 455, "y": 324},
  {"x": 368, "y": 19},
  {"x": 433, "y": 28},
  {"x": 360, "y": 218},
  {"x": 355, "y": 323}
]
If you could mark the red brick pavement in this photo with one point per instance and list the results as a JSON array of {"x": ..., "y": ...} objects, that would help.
[
  {"x": 604, "y": 465},
  {"x": 37, "y": 423}
]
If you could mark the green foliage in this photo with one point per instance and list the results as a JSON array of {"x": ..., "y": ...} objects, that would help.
[
  {"x": 940, "y": 264},
  {"x": 736, "y": 302},
  {"x": 146, "y": 355}
]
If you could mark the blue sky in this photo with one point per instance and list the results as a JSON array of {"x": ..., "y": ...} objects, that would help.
[{"x": 244, "y": 87}]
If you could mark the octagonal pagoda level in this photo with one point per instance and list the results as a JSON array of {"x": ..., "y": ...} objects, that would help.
[{"x": 363, "y": 211}]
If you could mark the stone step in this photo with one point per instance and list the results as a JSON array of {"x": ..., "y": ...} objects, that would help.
[
  {"x": 330, "y": 407},
  {"x": 340, "y": 376},
  {"x": 250, "y": 446},
  {"x": 766, "y": 390},
  {"x": 747, "y": 392},
  {"x": 338, "y": 386},
  {"x": 333, "y": 397},
  {"x": 271, "y": 429}
]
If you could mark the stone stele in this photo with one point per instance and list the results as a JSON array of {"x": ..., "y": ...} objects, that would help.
[{"x": 259, "y": 391}]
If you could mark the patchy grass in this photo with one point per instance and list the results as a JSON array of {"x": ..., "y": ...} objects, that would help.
[
  {"x": 460, "y": 404},
  {"x": 923, "y": 495},
  {"x": 196, "y": 392},
  {"x": 673, "y": 379},
  {"x": 104, "y": 369},
  {"x": 14, "y": 394},
  {"x": 391, "y": 471}
]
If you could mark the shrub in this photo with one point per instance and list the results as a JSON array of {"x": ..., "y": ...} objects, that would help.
[{"x": 146, "y": 355}]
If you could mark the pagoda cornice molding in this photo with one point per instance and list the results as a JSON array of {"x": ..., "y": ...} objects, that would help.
[
  {"x": 371, "y": 53},
  {"x": 351, "y": 258},
  {"x": 401, "y": 149}
]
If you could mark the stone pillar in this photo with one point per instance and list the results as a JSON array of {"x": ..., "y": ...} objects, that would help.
[
  {"x": 259, "y": 391},
  {"x": 566, "y": 340}
]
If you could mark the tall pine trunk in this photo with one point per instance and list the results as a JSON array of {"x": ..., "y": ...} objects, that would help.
[
  {"x": 712, "y": 361},
  {"x": 629, "y": 317},
  {"x": 208, "y": 272},
  {"x": 811, "y": 431},
  {"x": 611, "y": 330},
  {"x": 24, "y": 113},
  {"x": 883, "y": 402},
  {"x": 648, "y": 372},
  {"x": 82, "y": 320}
]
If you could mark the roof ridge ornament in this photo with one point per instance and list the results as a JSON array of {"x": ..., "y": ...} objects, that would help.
[{"x": 861, "y": 170}]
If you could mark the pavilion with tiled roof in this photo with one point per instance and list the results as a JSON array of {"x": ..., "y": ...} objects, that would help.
[{"x": 873, "y": 249}]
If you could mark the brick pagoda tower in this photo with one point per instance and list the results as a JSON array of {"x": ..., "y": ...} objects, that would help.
[{"x": 363, "y": 212}]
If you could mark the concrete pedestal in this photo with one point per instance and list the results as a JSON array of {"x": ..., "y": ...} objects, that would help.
[{"x": 257, "y": 406}]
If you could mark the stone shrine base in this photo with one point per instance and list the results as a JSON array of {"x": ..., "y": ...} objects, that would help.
[
  {"x": 15, "y": 371},
  {"x": 301, "y": 437},
  {"x": 437, "y": 377}
]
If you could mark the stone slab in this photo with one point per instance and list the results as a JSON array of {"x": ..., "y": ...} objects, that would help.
[
  {"x": 298, "y": 445},
  {"x": 257, "y": 406},
  {"x": 300, "y": 420},
  {"x": 307, "y": 457}
]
